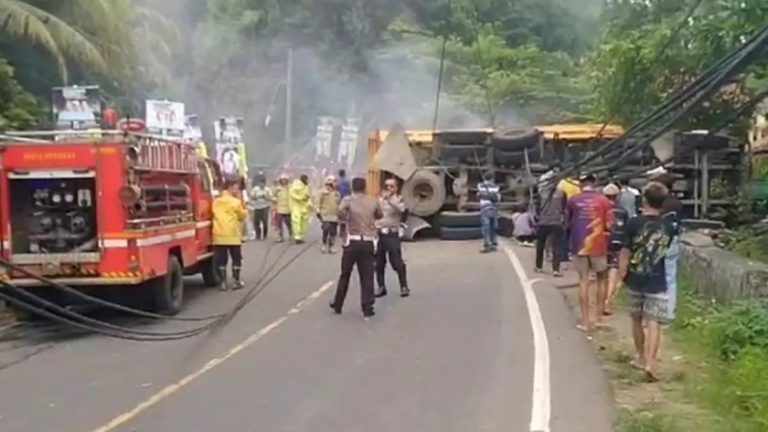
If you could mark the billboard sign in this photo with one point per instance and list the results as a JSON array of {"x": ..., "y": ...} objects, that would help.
[
  {"x": 76, "y": 107},
  {"x": 165, "y": 118}
]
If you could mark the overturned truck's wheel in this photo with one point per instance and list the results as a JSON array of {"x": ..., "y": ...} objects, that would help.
[
  {"x": 461, "y": 233},
  {"x": 212, "y": 277},
  {"x": 424, "y": 193},
  {"x": 451, "y": 219},
  {"x": 168, "y": 291},
  {"x": 513, "y": 140}
]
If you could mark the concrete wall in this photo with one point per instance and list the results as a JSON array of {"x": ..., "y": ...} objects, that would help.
[{"x": 719, "y": 274}]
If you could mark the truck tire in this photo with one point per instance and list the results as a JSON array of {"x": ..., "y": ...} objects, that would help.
[
  {"x": 451, "y": 219},
  {"x": 168, "y": 290},
  {"x": 516, "y": 139},
  {"x": 460, "y": 233},
  {"x": 424, "y": 193},
  {"x": 211, "y": 275}
]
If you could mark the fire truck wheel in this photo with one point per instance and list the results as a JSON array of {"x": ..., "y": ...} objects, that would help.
[
  {"x": 211, "y": 274},
  {"x": 424, "y": 193},
  {"x": 168, "y": 291},
  {"x": 516, "y": 139}
]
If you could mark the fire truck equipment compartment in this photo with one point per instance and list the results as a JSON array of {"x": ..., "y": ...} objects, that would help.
[{"x": 53, "y": 215}]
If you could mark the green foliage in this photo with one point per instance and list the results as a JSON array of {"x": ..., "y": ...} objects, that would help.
[
  {"x": 541, "y": 86},
  {"x": 731, "y": 344},
  {"x": 750, "y": 242},
  {"x": 18, "y": 109},
  {"x": 636, "y": 66}
]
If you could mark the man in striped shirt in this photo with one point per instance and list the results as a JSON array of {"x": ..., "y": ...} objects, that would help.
[{"x": 489, "y": 194}]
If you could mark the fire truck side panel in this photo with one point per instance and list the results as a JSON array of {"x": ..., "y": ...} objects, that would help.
[{"x": 153, "y": 249}]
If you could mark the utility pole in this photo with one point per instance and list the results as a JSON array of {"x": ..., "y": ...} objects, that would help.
[{"x": 287, "y": 143}]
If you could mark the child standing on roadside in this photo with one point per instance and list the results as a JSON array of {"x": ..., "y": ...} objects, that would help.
[{"x": 642, "y": 266}]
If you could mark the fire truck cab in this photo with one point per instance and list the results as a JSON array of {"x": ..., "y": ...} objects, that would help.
[{"x": 107, "y": 208}]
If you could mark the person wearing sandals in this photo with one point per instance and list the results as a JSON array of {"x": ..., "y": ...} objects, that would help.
[{"x": 642, "y": 266}]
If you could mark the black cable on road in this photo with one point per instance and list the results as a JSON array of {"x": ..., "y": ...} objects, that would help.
[
  {"x": 96, "y": 326},
  {"x": 117, "y": 306}
]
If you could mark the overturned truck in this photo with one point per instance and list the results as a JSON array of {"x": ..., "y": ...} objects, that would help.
[{"x": 439, "y": 170}]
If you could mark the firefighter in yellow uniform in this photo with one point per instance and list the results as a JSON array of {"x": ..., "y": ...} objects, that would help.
[
  {"x": 282, "y": 203},
  {"x": 301, "y": 205},
  {"x": 229, "y": 213}
]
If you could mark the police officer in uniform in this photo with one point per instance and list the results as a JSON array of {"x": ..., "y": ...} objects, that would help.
[
  {"x": 359, "y": 213},
  {"x": 394, "y": 211}
]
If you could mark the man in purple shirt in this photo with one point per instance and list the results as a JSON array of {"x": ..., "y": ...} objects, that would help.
[{"x": 589, "y": 216}]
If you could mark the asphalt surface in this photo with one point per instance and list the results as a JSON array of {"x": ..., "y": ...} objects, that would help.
[{"x": 458, "y": 355}]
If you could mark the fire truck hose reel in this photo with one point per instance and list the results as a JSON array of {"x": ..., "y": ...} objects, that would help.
[{"x": 424, "y": 193}]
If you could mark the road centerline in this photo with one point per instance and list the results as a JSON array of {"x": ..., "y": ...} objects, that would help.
[
  {"x": 541, "y": 406},
  {"x": 171, "y": 389}
]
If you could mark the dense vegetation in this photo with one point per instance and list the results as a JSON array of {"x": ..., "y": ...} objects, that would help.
[{"x": 507, "y": 61}]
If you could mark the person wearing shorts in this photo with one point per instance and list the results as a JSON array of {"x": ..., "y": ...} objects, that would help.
[
  {"x": 642, "y": 265},
  {"x": 588, "y": 217}
]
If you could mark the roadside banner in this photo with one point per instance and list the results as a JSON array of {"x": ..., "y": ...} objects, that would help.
[
  {"x": 324, "y": 137},
  {"x": 350, "y": 134}
]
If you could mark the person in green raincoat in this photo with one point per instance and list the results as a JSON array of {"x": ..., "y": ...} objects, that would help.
[{"x": 301, "y": 205}]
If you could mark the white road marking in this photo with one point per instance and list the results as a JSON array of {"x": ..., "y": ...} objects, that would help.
[
  {"x": 175, "y": 387},
  {"x": 541, "y": 407}
]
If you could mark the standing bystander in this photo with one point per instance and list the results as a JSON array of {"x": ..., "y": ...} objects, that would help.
[
  {"x": 343, "y": 184},
  {"x": 261, "y": 198},
  {"x": 588, "y": 217},
  {"x": 672, "y": 209},
  {"x": 489, "y": 194},
  {"x": 642, "y": 266},
  {"x": 550, "y": 227},
  {"x": 615, "y": 242}
]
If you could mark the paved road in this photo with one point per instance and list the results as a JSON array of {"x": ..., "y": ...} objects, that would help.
[{"x": 459, "y": 355}]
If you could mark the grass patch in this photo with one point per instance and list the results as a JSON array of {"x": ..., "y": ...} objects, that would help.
[
  {"x": 644, "y": 421},
  {"x": 728, "y": 349}
]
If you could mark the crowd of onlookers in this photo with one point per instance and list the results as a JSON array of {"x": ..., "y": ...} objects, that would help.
[{"x": 613, "y": 235}]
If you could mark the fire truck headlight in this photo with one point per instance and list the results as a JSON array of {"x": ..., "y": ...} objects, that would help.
[
  {"x": 56, "y": 198},
  {"x": 69, "y": 198}
]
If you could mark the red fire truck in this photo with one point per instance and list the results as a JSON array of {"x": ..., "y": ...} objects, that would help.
[{"x": 102, "y": 209}]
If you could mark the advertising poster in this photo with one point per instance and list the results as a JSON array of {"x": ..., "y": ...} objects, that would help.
[
  {"x": 76, "y": 107},
  {"x": 230, "y": 150},
  {"x": 165, "y": 118}
]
